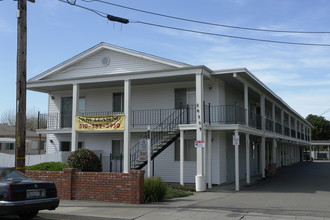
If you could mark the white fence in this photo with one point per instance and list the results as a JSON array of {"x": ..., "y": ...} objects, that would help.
[{"x": 8, "y": 160}]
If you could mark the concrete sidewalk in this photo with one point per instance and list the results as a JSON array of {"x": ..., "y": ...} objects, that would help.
[
  {"x": 184, "y": 208},
  {"x": 298, "y": 192}
]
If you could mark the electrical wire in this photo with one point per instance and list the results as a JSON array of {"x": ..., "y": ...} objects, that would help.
[
  {"x": 231, "y": 36},
  {"x": 104, "y": 15},
  {"x": 209, "y": 23},
  {"x": 71, "y": 2}
]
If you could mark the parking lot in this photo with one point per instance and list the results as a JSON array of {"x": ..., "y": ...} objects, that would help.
[{"x": 301, "y": 191}]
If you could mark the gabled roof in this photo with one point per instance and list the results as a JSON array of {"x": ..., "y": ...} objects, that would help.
[
  {"x": 102, "y": 46},
  {"x": 247, "y": 75}
]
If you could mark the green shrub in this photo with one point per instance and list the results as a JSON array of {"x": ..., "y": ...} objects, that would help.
[
  {"x": 85, "y": 160},
  {"x": 154, "y": 189},
  {"x": 48, "y": 166}
]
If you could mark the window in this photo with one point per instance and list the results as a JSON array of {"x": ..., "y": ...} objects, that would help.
[
  {"x": 117, "y": 149},
  {"x": 82, "y": 105},
  {"x": 80, "y": 145},
  {"x": 189, "y": 150},
  {"x": 118, "y": 102},
  {"x": 9, "y": 146},
  {"x": 66, "y": 145}
]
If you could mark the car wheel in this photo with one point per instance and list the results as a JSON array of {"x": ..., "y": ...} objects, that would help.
[{"x": 28, "y": 214}]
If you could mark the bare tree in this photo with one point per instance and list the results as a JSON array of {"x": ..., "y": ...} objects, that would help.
[{"x": 9, "y": 117}]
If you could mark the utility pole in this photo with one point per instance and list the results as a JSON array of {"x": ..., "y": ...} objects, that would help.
[{"x": 21, "y": 85}]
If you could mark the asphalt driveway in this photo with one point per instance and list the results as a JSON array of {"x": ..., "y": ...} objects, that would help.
[{"x": 302, "y": 190}]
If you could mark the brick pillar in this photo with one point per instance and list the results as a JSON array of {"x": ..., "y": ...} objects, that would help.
[
  {"x": 68, "y": 174},
  {"x": 137, "y": 186}
]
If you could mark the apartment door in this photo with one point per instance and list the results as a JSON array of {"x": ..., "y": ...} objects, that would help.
[
  {"x": 66, "y": 112},
  {"x": 184, "y": 97}
]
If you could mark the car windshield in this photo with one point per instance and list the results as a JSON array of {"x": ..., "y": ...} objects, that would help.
[{"x": 10, "y": 174}]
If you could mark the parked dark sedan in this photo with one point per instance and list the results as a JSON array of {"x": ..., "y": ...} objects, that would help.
[{"x": 23, "y": 196}]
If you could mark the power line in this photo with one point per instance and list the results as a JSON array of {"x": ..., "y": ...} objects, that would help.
[
  {"x": 102, "y": 14},
  {"x": 105, "y": 15},
  {"x": 232, "y": 36},
  {"x": 325, "y": 112},
  {"x": 210, "y": 23}
]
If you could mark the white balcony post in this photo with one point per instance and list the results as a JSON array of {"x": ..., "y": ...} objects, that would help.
[
  {"x": 246, "y": 103},
  {"x": 127, "y": 131},
  {"x": 282, "y": 122},
  {"x": 262, "y": 110},
  {"x": 236, "y": 161},
  {"x": 263, "y": 155},
  {"x": 199, "y": 178},
  {"x": 149, "y": 151},
  {"x": 75, "y": 107},
  {"x": 274, "y": 155},
  {"x": 182, "y": 157},
  {"x": 247, "y": 145},
  {"x": 289, "y": 125},
  {"x": 273, "y": 117},
  {"x": 209, "y": 159}
]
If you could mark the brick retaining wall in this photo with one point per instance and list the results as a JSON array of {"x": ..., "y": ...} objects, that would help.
[{"x": 96, "y": 186}]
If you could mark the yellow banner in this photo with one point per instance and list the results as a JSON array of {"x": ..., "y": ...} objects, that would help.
[{"x": 100, "y": 123}]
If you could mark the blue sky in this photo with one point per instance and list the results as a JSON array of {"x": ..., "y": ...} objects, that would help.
[{"x": 300, "y": 75}]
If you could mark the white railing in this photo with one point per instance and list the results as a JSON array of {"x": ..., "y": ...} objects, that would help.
[{"x": 8, "y": 160}]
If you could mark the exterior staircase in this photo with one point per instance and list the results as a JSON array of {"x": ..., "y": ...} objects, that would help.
[{"x": 162, "y": 136}]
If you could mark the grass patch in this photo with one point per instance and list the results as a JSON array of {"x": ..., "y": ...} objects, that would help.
[
  {"x": 155, "y": 190},
  {"x": 177, "y": 191}
]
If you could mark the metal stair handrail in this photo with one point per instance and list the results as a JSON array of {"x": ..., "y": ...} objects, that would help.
[{"x": 166, "y": 129}]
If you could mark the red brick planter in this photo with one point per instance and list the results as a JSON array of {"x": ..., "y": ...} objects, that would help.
[{"x": 107, "y": 187}]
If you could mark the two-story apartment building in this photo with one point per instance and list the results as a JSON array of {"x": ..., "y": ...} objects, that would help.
[{"x": 207, "y": 127}]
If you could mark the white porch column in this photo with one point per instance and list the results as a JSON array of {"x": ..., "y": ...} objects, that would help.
[
  {"x": 247, "y": 145},
  {"x": 267, "y": 150},
  {"x": 236, "y": 164},
  {"x": 246, "y": 103},
  {"x": 127, "y": 131},
  {"x": 274, "y": 154},
  {"x": 273, "y": 117},
  {"x": 209, "y": 159},
  {"x": 263, "y": 159},
  {"x": 282, "y": 121},
  {"x": 182, "y": 157},
  {"x": 199, "y": 178},
  {"x": 289, "y": 126},
  {"x": 75, "y": 108},
  {"x": 262, "y": 112}
]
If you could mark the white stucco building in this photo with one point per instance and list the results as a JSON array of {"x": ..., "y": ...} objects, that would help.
[{"x": 182, "y": 103}]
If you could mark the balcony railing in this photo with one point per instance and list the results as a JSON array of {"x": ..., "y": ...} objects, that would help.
[
  {"x": 278, "y": 128},
  {"x": 269, "y": 125},
  {"x": 213, "y": 115},
  {"x": 254, "y": 120},
  {"x": 286, "y": 131},
  {"x": 227, "y": 114}
]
